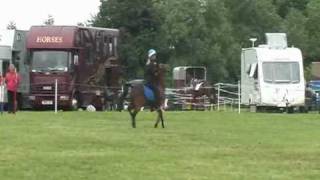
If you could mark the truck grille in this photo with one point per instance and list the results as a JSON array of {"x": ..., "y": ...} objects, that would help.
[{"x": 48, "y": 88}]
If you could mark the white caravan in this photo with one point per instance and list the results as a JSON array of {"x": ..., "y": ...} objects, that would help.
[
  {"x": 272, "y": 75},
  {"x": 13, "y": 50}
]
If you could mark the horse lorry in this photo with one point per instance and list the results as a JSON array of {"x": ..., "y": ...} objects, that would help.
[
  {"x": 13, "y": 51},
  {"x": 73, "y": 66},
  {"x": 272, "y": 75}
]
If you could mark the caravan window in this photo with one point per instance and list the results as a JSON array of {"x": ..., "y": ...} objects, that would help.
[{"x": 281, "y": 72}]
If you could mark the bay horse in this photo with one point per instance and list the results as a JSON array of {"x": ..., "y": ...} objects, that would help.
[
  {"x": 199, "y": 88},
  {"x": 134, "y": 91}
]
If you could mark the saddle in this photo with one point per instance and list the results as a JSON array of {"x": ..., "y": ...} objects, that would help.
[{"x": 148, "y": 92}]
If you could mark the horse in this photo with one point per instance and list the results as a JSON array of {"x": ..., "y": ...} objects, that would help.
[
  {"x": 135, "y": 92},
  {"x": 199, "y": 88},
  {"x": 203, "y": 88}
]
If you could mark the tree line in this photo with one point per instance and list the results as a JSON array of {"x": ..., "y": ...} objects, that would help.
[{"x": 210, "y": 33}]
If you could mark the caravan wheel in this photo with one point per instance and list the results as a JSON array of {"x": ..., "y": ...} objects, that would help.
[
  {"x": 303, "y": 109},
  {"x": 253, "y": 108},
  {"x": 290, "y": 110}
]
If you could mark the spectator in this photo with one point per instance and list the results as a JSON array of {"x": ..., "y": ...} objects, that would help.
[
  {"x": 12, "y": 80},
  {"x": 1, "y": 93}
]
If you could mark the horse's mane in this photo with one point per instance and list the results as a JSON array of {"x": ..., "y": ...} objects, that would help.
[{"x": 161, "y": 69}]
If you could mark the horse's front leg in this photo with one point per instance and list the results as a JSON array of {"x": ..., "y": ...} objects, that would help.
[
  {"x": 161, "y": 117},
  {"x": 133, "y": 118},
  {"x": 133, "y": 114}
]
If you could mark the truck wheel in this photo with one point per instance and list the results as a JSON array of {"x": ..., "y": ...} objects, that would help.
[{"x": 304, "y": 109}]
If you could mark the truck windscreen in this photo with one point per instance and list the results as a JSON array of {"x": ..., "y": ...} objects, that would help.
[
  {"x": 281, "y": 72},
  {"x": 47, "y": 61}
]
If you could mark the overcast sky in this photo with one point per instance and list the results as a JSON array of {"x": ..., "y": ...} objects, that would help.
[{"x": 34, "y": 12}]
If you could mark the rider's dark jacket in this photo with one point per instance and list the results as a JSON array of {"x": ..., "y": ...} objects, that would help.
[{"x": 150, "y": 76}]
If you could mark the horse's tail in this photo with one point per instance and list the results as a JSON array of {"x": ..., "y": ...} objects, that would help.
[{"x": 123, "y": 96}]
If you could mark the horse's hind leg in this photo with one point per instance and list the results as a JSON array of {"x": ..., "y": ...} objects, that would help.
[
  {"x": 134, "y": 118},
  {"x": 160, "y": 117},
  {"x": 157, "y": 122}
]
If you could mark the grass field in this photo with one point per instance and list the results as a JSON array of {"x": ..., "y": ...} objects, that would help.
[{"x": 195, "y": 145}]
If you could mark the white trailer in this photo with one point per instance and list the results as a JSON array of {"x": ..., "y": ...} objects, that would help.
[
  {"x": 13, "y": 50},
  {"x": 183, "y": 75},
  {"x": 272, "y": 75}
]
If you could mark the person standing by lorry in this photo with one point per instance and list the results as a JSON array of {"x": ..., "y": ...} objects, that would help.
[
  {"x": 12, "y": 80},
  {"x": 1, "y": 93}
]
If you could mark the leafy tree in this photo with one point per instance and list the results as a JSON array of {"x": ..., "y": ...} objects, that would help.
[
  {"x": 207, "y": 32},
  {"x": 253, "y": 18},
  {"x": 139, "y": 25},
  {"x": 312, "y": 27},
  {"x": 182, "y": 28},
  {"x": 12, "y": 25},
  {"x": 295, "y": 27},
  {"x": 81, "y": 24},
  {"x": 284, "y": 6},
  {"x": 222, "y": 48},
  {"x": 49, "y": 21}
]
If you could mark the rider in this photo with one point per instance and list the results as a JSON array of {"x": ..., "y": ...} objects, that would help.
[{"x": 151, "y": 73}]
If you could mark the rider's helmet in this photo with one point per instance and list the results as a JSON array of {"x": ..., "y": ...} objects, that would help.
[{"x": 151, "y": 52}]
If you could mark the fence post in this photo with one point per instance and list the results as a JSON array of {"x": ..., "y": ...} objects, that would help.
[
  {"x": 219, "y": 97},
  {"x": 232, "y": 105},
  {"x": 239, "y": 97},
  {"x": 56, "y": 97}
]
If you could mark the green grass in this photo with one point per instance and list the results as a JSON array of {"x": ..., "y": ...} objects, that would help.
[{"x": 195, "y": 145}]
